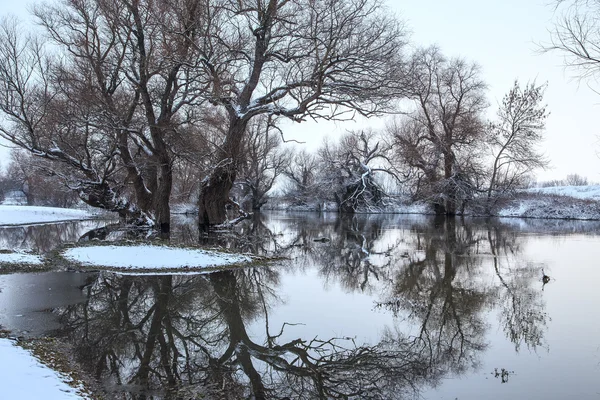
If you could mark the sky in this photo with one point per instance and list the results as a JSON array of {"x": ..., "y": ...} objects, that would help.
[{"x": 503, "y": 38}]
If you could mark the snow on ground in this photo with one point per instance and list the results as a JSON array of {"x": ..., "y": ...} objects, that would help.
[
  {"x": 20, "y": 258},
  {"x": 22, "y": 376},
  {"x": 591, "y": 192},
  {"x": 22, "y": 215},
  {"x": 151, "y": 257},
  {"x": 561, "y": 202},
  {"x": 554, "y": 208}
]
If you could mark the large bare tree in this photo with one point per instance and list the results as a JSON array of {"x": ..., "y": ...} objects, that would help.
[
  {"x": 44, "y": 112},
  {"x": 437, "y": 137},
  {"x": 123, "y": 83},
  {"x": 351, "y": 167},
  {"x": 297, "y": 59}
]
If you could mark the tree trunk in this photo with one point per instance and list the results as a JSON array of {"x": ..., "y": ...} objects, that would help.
[
  {"x": 450, "y": 196},
  {"x": 161, "y": 198},
  {"x": 214, "y": 190},
  {"x": 100, "y": 195},
  {"x": 214, "y": 196}
]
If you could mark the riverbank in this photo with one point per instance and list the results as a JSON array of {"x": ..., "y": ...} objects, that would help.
[{"x": 564, "y": 202}]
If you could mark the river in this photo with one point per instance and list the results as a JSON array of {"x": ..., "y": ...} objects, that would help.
[{"x": 368, "y": 307}]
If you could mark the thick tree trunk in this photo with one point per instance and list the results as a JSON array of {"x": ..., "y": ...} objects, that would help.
[
  {"x": 162, "y": 195},
  {"x": 100, "y": 195},
  {"x": 450, "y": 196},
  {"x": 214, "y": 196},
  {"x": 257, "y": 199},
  {"x": 214, "y": 190}
]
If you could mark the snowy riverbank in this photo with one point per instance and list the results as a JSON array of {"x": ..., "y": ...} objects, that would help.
[
  {"x": 25, "y": 377},
  {"x": 562, "y": 202},
  {"x": 28, "y": 215}
]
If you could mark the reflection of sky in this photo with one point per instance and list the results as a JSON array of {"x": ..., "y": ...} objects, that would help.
[
  {"x": 320, "y": 298},
  {"x": 569, "y": 368},
  {"x": 324, "y": 309},
  {"x": 565, "y": 365},
  {"x": 26, "y": 298}
]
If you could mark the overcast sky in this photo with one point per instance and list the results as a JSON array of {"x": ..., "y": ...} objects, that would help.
[{"x": 501, "y": 37}]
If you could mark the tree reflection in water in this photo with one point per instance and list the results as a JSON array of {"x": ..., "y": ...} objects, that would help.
[
  {"x": 44, "y": 237},
  {"x": 188, "y": 336}
]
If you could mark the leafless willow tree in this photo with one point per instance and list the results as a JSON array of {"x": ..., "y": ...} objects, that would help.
[
  {"x": 297, "y": 59},
  {"x": 106, "y": 95},
  {"x": 520, "y": 122},
  {"x": 350, "y": 169},
  {"x": 44, "y": 112},
  {"x": 303, "y": 178},
  {"x": 264, "y": 160},
  {"x": 438, "y": 138}
]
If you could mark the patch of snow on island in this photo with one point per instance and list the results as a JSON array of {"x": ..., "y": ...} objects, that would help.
[
  {"x": 150, "y": 257},
  {"x": 22, "y": 376},
  {"x": 20, "y": 258},
  {"x": 22, "y": 215}
]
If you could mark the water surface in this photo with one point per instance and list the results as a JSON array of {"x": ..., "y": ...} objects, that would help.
[{"x": 380, "y": 307}]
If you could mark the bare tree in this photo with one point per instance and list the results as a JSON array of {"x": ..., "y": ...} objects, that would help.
[
  {"x": 437, "y": 139},
  {"x": 576, "y": 180},
  {"x": 122, "y": 87},
  {"x": 296, "y": 59},
  {"x": 518, "y": 129},
  {"x": 44, "y": 114},
  {"x": 264, "y": 162},
  {"x": 302, "y": 173},
  {"x": 350, "y": 168},
  {"x": 39, "y": 181},
  {"x": 143, "y": 51},
  {"x": 576, "y": 35}
]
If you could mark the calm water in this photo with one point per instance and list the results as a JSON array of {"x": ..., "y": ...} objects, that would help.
[{"x": 376, "y": 307}]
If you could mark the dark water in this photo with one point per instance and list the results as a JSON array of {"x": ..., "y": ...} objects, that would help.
[{"x": 379, "y": 307}]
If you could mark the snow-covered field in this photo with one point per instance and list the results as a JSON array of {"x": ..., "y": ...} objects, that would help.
[
  {"x": 22, "y": 376},
  {"x": 22, "y": 215},
  {"x": 591, "y": 192},
  {"x": 149, "y": 257},
  {"x": 561, "y": 202}
]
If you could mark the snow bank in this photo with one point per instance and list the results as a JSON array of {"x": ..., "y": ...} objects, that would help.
[
  {"x": 21, "y": 215},
  {"x": 20, "y": 258},
  {"x": 144, "y": 257},
  {"x": 22, "y": 376},
  {"x": 590, "y": 192},
  {"x": 564, "y": 202}
]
